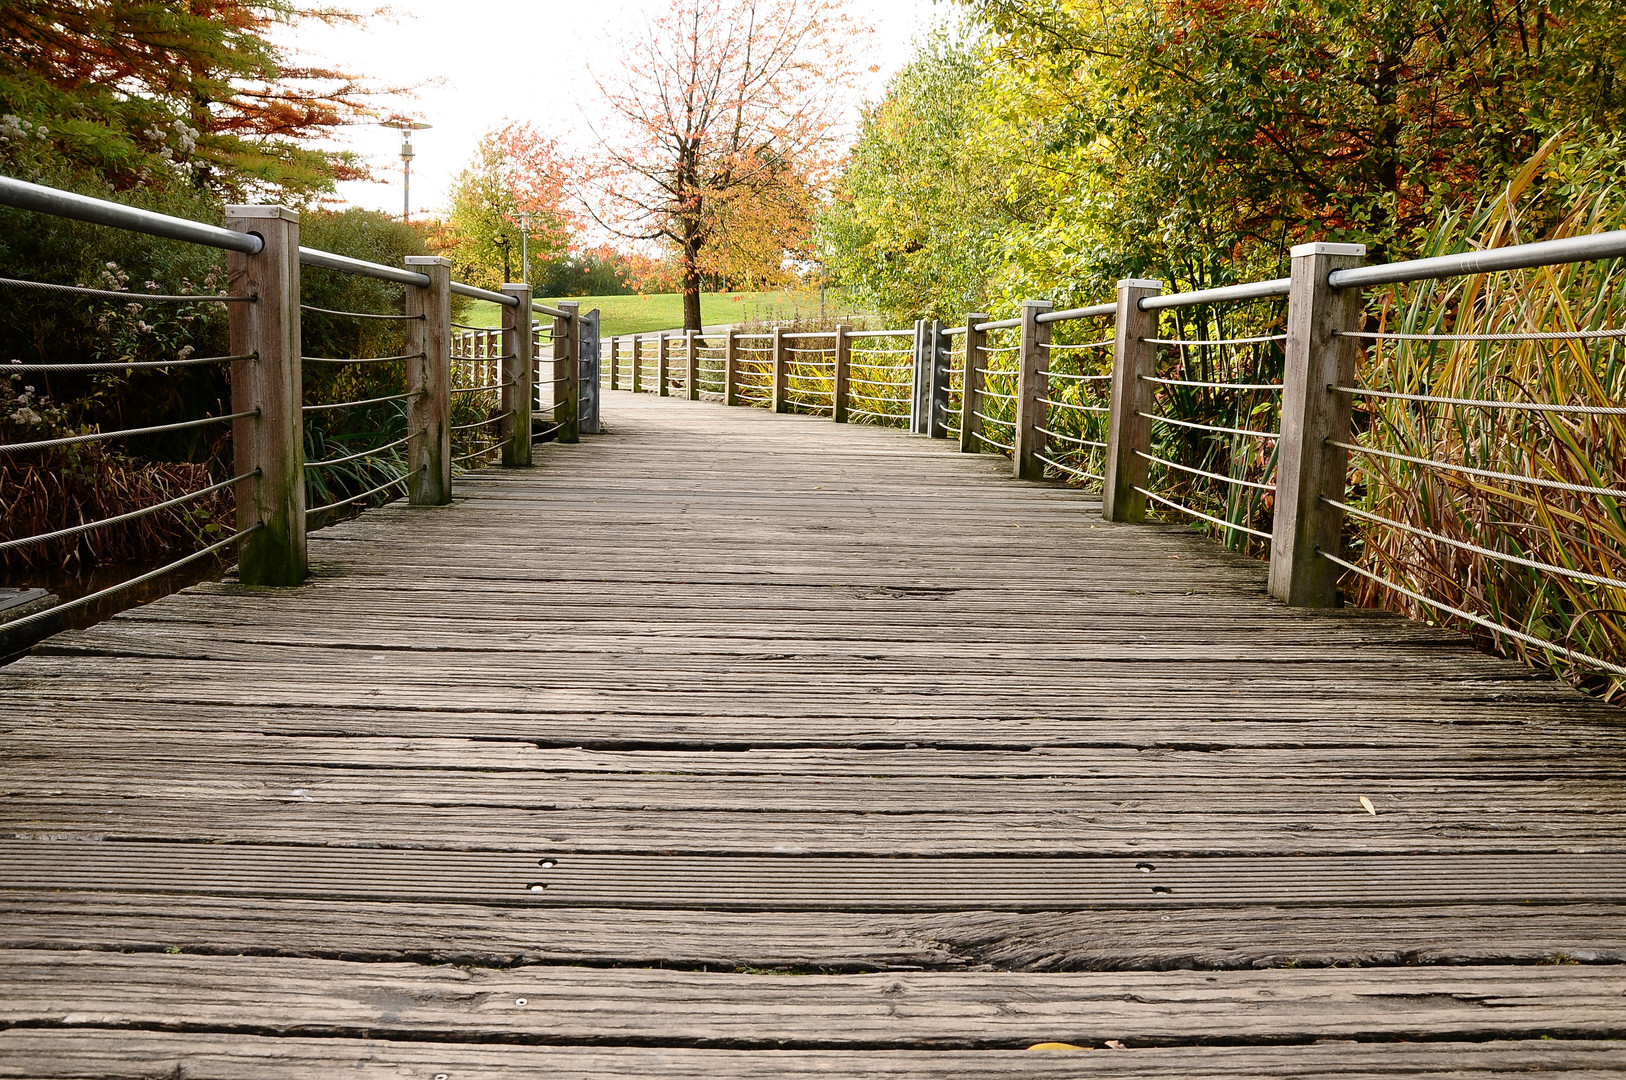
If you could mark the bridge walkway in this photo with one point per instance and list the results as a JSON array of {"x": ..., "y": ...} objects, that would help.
[{"x": 738, "y": 745}]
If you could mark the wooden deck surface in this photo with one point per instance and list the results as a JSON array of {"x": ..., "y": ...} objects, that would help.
[{"x": 730, "y": 745}]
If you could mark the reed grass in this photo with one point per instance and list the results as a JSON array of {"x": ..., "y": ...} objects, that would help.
[{"x": 1578, "y": 532}]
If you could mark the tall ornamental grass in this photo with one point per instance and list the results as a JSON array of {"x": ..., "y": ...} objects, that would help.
[{"x": 1578, "y": 532}]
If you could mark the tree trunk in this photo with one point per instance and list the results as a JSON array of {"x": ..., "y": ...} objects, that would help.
[{"x": 689, "y": 264}]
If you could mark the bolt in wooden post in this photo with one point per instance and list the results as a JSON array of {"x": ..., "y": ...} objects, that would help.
[
  {"x": 566, "y": 369},
  {"x": 663, "y": 365},
  {"x": 691, "y": 357},
  {"x": 781, "y": 371},
  {"x": 843, "y": 373},
  {"x": 1129, "y": 434},
  {"x": 940, "y": 345},
  {"x": 1308, "y": 471},
  {"x": 271, "y": 445},
  {"x": 429, "y": 377},
  {"x": 971, "y": 387},
  {"x": 518, "y": 373},
  {"x": 1031, "y": 385},
  {"x": 731, "y": 368}
]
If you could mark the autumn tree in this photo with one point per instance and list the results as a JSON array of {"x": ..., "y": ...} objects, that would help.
[
  {"x": 146, "y": 92},
  {"x": 513, "y": 189},
  {"x": 723, "y": 132}
]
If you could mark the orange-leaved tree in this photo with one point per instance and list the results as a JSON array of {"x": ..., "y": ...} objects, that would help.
[
  {"x": 723, "y": 115},
  {"x": 515, "y": 184}
]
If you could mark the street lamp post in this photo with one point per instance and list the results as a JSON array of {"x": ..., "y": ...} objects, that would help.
[{"x": 406, "y": 128}]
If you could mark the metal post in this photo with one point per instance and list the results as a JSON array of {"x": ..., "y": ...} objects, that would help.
[
  {"x": 518, "y": 373},
  {"x": 781, "y": 371},
  {"x": 270, "y": 445},
  {"x": 938, "y": 353},
  {"x": 637, "y": 363},
  {"x": 731, "y": 368},
  {"x": 843, "y": 373},
  {"x": 566, "y": 373},
  {"x": 663, "y": 365},
  {"x": 691, "y": 360},
  {"x": 1308, "y": 470},
  {"x": 919, "y": 383},
  {"x": 1031, "y": 386},
  {"x": 971, "y": 386},
  {"x": 429, "y": 377},
  {"x": 587, "y": 341},
  {"x": 1129, "y": 433}
]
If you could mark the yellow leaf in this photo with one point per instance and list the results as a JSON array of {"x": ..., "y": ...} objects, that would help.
[
  {"x": 1058, "y": 1046},
  {"x": 1370, "y": 809}
]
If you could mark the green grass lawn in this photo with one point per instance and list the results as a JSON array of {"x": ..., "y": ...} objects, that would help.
[{"x": 664, "y": 311}]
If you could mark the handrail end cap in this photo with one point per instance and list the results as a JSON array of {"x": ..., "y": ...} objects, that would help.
[{"x": 1300, "y": 251}]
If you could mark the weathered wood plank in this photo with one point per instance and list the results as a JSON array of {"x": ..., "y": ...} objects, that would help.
[
  {"x": 71, "y": 1054},
  {"x": 486, "y": 936},
  {"x": 894, "y": 1010}
]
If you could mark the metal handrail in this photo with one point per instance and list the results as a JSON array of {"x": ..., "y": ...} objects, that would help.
[
  {"x": 47, "y": 200},
  {"x": 361, "y": 267},
  {"x": 1609, "y": 245}
]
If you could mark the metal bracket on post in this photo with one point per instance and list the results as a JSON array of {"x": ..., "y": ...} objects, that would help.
[
  {"x": 843, "y": 374},
  {"x": 971, "y": 386},
  {"x": 663, "y": 365},
  {"x": 731, "y": 368},
  {"x": 691, "y": 365},
  {"x": 1031, "y": 386},
  {"x": 429, "y": 379},
  {"x": 592, "y": 391},
  {"x": 270, "y": 445},
  {"x": 1129, "y": 434},
  {"x": 1308, "y": 470},
  {"x": 939, "y": 347},
  {"x": 781, "y": 371},
  {"x": 518, "y": 378}
]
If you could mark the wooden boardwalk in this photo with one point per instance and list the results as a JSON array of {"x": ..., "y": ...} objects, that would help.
[{"x": 732, "y": 745}]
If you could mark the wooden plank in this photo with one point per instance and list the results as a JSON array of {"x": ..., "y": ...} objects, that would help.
[
  {"x": 495, "y": 936},
  {"x": 139, "y": 1055},
  {"x": 894, "y": 1010},
  {"x": 546, "y": 875}
]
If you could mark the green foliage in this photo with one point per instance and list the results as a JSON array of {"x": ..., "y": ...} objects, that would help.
[
  {"x": 141, "y": 93},
  {"x": 915, "y": 222}
]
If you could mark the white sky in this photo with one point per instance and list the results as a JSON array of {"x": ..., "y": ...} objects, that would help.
[{"x": 479, "y": 63}]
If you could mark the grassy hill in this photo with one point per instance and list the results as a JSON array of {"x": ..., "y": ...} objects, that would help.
[{"x": 664, "y": 311}]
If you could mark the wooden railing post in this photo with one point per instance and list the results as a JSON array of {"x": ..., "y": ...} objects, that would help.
[
  {"x": 691, "y": 363},
  {"x": 566, "y": 371},
  {"x": 587, "y": 341},
  {"x": 940, "y": 351},
  {"x": 1031, "y": 385},
  {"x": 637, "y": 363},
  {"x": 429, "y": 374},
  {"x": 615, "y": 376},
  {"x": 517, "y": 375},
  {"x": 271, "y": 445},
  {"x": 1129, "y": 434},
  {"x": 843, "y": 373},
  {"x": 731, "y": 368},
  {"x": 971, "y": 387},
  {"x": 1308, "y": 470},
  {"x": 663, "y": 365},
  {"x": 781, "y": 371}
]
